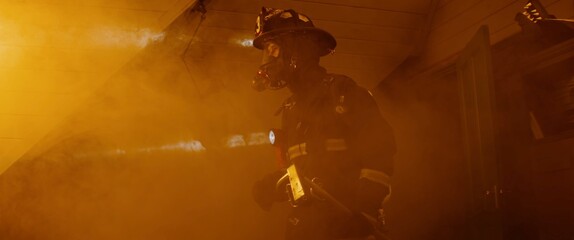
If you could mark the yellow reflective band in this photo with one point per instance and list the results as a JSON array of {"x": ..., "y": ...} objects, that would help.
[
  {"x": 376, "y": 176},
  {"x": 335, "y": 144},
  {"x": 332, "y": 144},
  {"x": 297, "y": 151}
]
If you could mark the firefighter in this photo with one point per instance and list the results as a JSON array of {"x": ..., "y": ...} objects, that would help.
[{"x": 331, "y": 130}]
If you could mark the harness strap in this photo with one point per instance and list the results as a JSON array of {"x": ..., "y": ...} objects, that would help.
[{"x": 331, "y": 144}]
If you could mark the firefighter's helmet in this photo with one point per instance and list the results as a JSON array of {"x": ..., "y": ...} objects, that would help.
[{"x": 273, "y": 22}]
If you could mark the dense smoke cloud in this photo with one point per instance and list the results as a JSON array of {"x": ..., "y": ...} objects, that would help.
[{"x": 157, "y": 152}]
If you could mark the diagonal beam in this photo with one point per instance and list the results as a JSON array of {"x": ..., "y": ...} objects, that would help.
[{"x": 424, "y": 32}]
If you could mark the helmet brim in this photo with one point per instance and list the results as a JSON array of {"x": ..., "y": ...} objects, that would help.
[{"x": 330, "y": 42}]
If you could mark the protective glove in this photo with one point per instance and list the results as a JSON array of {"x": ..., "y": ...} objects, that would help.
[{"x": 264, "y": 191}]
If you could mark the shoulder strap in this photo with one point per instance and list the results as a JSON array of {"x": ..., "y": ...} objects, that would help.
[{"x": 339, "y": 86}]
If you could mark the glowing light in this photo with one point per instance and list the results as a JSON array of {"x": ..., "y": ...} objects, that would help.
[
  {"x": 245, "y": 42},
  {"x": 272, "y": 137},
  {"x": 236, "y": 141}
]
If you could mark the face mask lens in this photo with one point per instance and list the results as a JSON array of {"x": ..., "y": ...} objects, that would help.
[{"x": 271, "y": 74}]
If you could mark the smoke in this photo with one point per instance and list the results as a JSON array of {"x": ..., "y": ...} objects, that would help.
[
  {"x": 429, "y": 185},
  {"x": 124, "y": 38},
  {"x": 157, "y": 152}
]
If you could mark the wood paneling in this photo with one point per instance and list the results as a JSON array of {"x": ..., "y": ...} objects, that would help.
[
  {"x": 454, "y": 8},
  {"x": 562, "y": 9},
  {"x": 354, "y": 15},
  {"x": 232, "y": 20},
  {"x": 368, "y": 32},
  {"x": 123, "y": 4},
  {"x": 478, "y": 13},
  {"x": 408, "y": 6},
  {"x": 325, "y": 12},
  {"x": 76, "y": 15},
  {"x": 453, "y": 29}
]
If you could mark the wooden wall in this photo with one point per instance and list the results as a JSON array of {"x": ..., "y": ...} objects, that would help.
[{"x": 456, "y": 21}]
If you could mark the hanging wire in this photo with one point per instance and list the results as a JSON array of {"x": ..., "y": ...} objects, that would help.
[{"x": 199, "y": 7}]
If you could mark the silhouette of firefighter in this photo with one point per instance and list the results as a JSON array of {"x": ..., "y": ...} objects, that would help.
[{"x": 336, "y": 149}]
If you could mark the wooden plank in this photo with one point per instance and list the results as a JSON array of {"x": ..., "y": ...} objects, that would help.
[
  {"x": 422, "y": 37},
  {"x": 252, "y": 6},
  {"x": 476, "y": 14},
  {"x": 239, "y": 6},
  {"x": 238, "y": 20},
  {"x": 561, "y": 9},
  {"x": 498, "y": 23},
  {"x": 454, "y": 8},
  {"x": 124, "y": 4},
  {"x": 408, "y": 6},
  {"x": 318, "y": 11},
  {"x": 462, "y": 15},
  {"x": 505, "y": 32},
  {"x": 73, "y": 15},
  {"x": 367, "y": 32},
  {"x": 173, "y": 12},
  {"x": 233, "y": 20}
]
